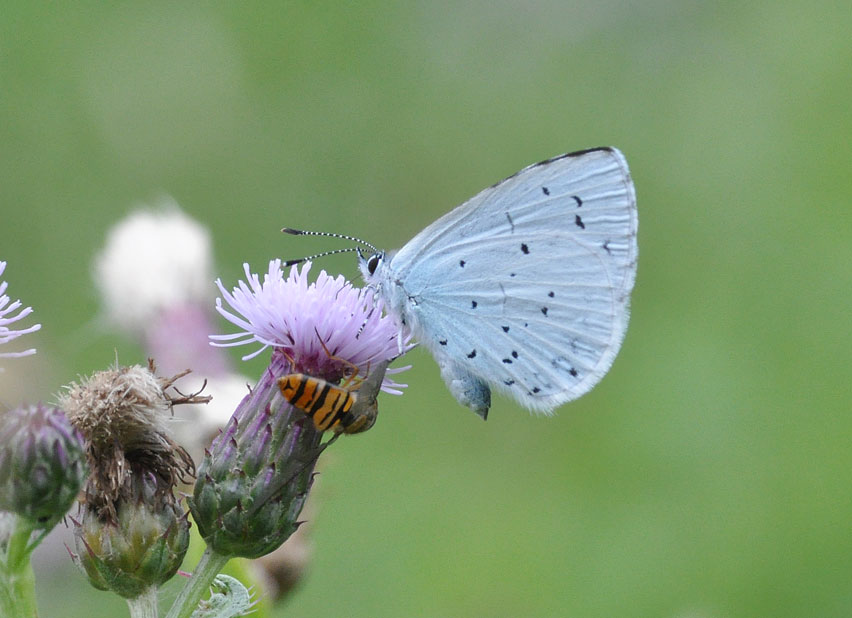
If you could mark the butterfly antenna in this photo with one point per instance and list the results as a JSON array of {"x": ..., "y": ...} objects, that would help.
[
  {"x": 319, "y": 255},
  {"x": 289, "y": 230}
]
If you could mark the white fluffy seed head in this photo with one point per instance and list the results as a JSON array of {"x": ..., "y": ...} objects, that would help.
[{"x": 153, "y": 259}]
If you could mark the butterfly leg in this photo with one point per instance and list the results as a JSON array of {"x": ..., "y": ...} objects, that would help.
[{"x": 468, "y": 390}]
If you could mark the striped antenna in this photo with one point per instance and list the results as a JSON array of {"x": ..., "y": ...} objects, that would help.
[
  {"x": 319, "y": 255},
  {"x": 289, "y": 230}
]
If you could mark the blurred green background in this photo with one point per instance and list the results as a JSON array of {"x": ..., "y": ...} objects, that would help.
[{"x": 707, "y": 476}]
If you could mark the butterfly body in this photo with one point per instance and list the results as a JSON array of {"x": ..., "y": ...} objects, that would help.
[{"x": 525, "y": 287}]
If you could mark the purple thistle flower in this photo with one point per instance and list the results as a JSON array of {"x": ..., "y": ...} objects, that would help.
[
  {"x": 299, "y": 318},
  {"x": 257, "y": 473},
  {"x": 8, "y": 316}
]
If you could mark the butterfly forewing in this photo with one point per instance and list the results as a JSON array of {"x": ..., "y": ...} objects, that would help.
[{"x": 589, "y": 191}]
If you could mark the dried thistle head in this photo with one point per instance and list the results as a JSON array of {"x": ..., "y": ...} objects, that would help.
[{"x": 122, "y": 414}]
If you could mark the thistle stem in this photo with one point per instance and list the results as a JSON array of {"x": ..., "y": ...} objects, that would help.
[
  {"x": 199, "y": 583},
  {"x": 17, "y": 582},
  {"x": 145, "y": 605}
]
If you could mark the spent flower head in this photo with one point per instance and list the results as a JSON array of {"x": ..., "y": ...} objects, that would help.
[
  {"x": 9, "y": 314},
  {"x": 324, "y": 327},
  {"x": 122, "y": 414}
]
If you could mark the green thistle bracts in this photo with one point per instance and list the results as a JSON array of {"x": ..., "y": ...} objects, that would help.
[
  {"x": 42, "y": 464},
  {"x": 255, "y": 478},
  {"x": 143, "y": 547}
]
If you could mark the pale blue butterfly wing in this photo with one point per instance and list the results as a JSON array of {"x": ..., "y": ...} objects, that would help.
[{"x": 526, "y": 286}]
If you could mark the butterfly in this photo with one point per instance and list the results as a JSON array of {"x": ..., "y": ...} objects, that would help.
[
  {"x": 525, "y": 287},
  {"x": 349, "y": 408}
]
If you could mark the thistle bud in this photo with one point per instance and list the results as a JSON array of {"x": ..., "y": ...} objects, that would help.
[
  {"x": 142, "y": 547},
  {"x": 255, "y": 477},
  {"x": 42, "y": 464}
]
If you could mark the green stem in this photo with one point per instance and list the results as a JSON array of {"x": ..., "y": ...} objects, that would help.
[
  {"x": 17, "y": 582},
  {"x": 199, "y": 583},
  {"x": 145, "y": 605}
]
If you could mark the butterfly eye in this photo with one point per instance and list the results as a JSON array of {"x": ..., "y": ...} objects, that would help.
[{"x": 373, "y": 263}]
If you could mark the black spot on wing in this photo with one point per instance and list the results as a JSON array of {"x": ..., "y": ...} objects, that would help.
[
  {"x": 505, "y": 329},
  {"x": 443, "y": 341},
  {"x": 579, "y": 222},
  {"x": 562, "y": 364},
  {"x": 536, "y": 389},
  {"x": 544, "y": 311},
  {"x": 508, "y": 382},
  {"x": 472, "y": 354},
  {"x": 473, "y": 304},
  {"x": 524, "y": 249},
  {"x": 545, "y": 190},
  {"x": 511, "y": 223},
  {"x": 578, "y": 200},
  {"x": 514, "y": 354},
  {"x": 462, "y": 263},
  {"x": 507, "y": 361},
  {"x": 551, "y": 294}
]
